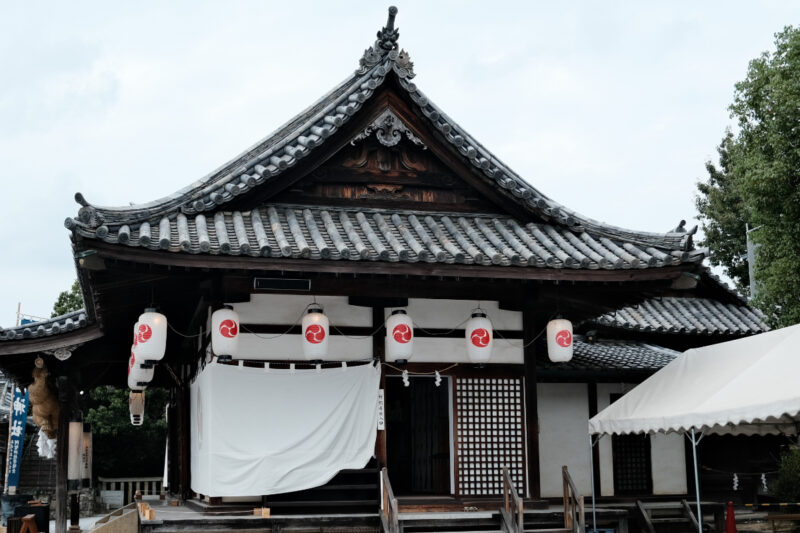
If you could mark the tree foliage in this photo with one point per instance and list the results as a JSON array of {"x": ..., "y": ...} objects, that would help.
[
  {"x": 120, "y": 448},
  {"x": 758, "y": 181},
  {"x": 67, "y": 301}
]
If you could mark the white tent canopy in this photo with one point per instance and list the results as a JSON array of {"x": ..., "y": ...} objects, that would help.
[{"x": 745, "y": 386}]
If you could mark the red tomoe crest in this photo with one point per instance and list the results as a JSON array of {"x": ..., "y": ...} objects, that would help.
[
  {"x": 480, "y": 338},
  {"x": 131, "y": 362},
  {"x": 228, "y": 328},
  {"x": 564, "y": 338},
  {"x": 315, "y": 333},
  {"x": 402, "y": 333},
  {"x": 144, "y": 333}
]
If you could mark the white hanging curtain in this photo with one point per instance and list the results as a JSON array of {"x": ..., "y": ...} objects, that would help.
[{"x": 258, "y": 433}]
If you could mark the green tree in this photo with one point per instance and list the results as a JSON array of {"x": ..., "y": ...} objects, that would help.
[
  {"x": 67, "y": 301},
  {"x": 758, "y": 181},
  {"x": 120, "y": 448}
]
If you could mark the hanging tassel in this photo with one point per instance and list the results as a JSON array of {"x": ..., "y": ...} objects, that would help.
[
  {"x": 764, "y": 482},
  {"x": 438, "y": 379},
  {"x": 406, "y": 383},
  {"x": 735, "y": 481}
]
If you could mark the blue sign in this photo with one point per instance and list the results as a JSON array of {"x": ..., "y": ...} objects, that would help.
[
  {"x": 16, "y": 437},
  {"x": 24, "y": 321}
]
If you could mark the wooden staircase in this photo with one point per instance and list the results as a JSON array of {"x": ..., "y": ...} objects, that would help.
[
  {"x": 510, "y": 518},
  {"x": 666, "y": 517}
]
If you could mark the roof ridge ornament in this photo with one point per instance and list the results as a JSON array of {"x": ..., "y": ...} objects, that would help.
[{"x": 385, "y": 47}]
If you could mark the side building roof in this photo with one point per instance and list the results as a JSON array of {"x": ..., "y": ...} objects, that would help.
[{"x": 686, "y": 316}]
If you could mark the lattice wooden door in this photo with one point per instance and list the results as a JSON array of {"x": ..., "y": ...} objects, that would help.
[{"x": 489, "y": 435}]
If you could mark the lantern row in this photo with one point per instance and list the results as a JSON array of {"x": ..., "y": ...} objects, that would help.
[
  {"x": 315, "y": 327},
  {"x": 150, "y": 339}
]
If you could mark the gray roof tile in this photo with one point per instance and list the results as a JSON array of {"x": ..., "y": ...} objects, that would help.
[
  {"x": 380, "y": 235},
  {"x": 308, "y": 131},
  {"x": 45, "y": 328},
  {"x": 619, "y": 356},
  {"x": 696, "y": 316}
]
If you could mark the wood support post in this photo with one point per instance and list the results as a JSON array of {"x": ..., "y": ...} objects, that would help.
[
  {"x": 65, "y": 397},
  {"x": 531, "y": 326},
  {"x": 184, "y": 443},
  {"x": 378, "y": 350},
  {"x": 592, "y": 392}
]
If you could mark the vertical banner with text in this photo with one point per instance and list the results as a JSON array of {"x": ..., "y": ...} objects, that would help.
[{"x": 16, "y": 438}]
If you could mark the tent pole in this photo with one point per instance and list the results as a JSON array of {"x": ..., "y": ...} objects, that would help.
[
  {"x": 591, "y": 470},
  {"x": 697, "y": 484}
]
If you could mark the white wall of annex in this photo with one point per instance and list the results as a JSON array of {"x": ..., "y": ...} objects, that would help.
[
  {"x": 668, "y": 460},
  {"x": 667, "y": 456},
  {"x": 563, "y": 437}
]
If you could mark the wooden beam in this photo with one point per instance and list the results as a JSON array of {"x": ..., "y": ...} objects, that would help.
[
  {"x": 262, "y": 264},
  {"x": 532, "y": 326},
  {"x": 592, "y": 393},
  {"x": 65, "y": 396},
  {"x": 378, "y": 350}
]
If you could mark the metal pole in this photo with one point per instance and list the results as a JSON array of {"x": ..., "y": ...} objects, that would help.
[
  {"x": 591, "y": 470},
  {"x": 697, "y": 484}
]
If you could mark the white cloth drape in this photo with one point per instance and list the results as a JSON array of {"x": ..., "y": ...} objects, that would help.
[{"x": 258, "y": 433}]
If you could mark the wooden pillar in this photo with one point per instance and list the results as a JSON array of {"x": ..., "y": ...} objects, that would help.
[
  {"x": 378, "y": 350},
  {"x": 65, "y": 395},
  {"x": 592, "y": 390},
  {"x": 531, "y": 326},
  {"x": 184, "y": 443}
]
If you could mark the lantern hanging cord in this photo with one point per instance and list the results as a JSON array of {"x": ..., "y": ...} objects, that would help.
[
  {"x": 435, "y": 333},
  {"x": 388, "y": 365},
  {"x": 360, "y": 337},
  {"x": 288, "y": 330},
  {"x": 185, "y": 336},
  {"x": 524, "y": 345}
]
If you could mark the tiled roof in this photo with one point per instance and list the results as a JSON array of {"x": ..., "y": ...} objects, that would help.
[
  {"x": 614, "y": 356},
  {"x": 388, "y": 235},
  {"x": 45, "y": 328},
  {"x": 698, "y": 316},
  {"x": 308, "y": 131}
]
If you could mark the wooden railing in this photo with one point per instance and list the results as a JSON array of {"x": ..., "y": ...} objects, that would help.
[
  {"x": 512, "y": 511},
  {"x": 389, "y": 509},
  {"x": 121, "y": 490},
  {"x": 574, "y": 517}
]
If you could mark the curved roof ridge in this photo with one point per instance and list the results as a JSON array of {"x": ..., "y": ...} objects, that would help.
[{"x": 281, "y": 149}]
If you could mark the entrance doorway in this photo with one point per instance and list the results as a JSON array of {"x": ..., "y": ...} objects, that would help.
[{"x": 418, "y": 424}]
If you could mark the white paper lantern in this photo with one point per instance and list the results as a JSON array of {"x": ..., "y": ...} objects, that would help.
[
  {"x": 315, "y": 334},
  {"x": 225, "y": 331},
  {"x": 74, "y": 455},
  {"x": 151, "y": 336},
  {"x": 479, "y": 337},
  {"x": 138, "y": 377},
  {"x": 559, "y": 340},
  {"x": 399, "y": 336},
  {"x": 136, "y": 407}
]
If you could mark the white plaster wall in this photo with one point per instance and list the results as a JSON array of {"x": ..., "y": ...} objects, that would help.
[
  {"x": 669, "y": 463},
  {"x": 450, "y": 313},
  {"x": 563, "y": 437},
  {"x": 604, "y": 392},
  {"x": 448, "y": 350},
  {"x": 287, "y": 309},
  {"x": 667, "y": 459},
  {"x": 290, "y": 348}
]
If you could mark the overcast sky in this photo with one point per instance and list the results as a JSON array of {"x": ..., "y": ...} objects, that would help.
[{"x": 611, "y": 108}]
